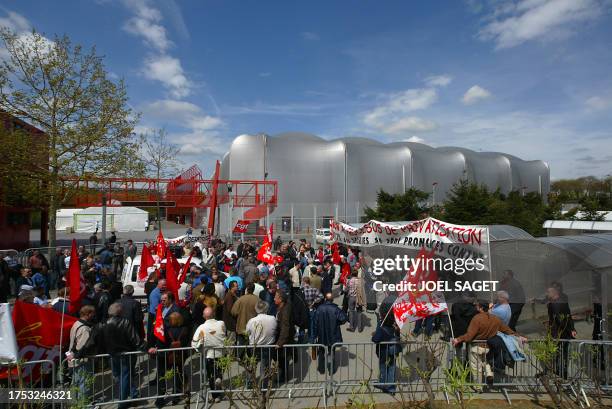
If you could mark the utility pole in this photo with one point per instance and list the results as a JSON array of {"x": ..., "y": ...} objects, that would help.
[{"x": 103, "y": 218}]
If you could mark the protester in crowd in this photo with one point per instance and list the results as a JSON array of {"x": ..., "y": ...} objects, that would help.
[
  {"x": 234, "y": 277},
  {"x": 131, "y": 309},
  {"x": 211, "y": 335},
  {"x": 315, "y": 276},
  {"x": 82, "y": 367},
  {"x": 40, "y": 278},
  {"x": 61, "y": 302},
  {"x": 131, "y": 250},
  {"x": 461, "y": 315},
  {"x": 118, "y": 335},
  {"x": 356, "y": 302},
  {"x": 326, "y": 330},
  {"x": 501, "y": 308},
  {"x": 516, "y": 295},
  {"x": 244, "y": 309},
  {"x": 285, "y": 333},
  {"x": 560, "y": 327},
  {"x": 154, "y": 300},
  {"x": 208, "y": 300},
  {"x": 312, "y": 298},
  {"x": 386, "y": 333},
  {"x": 228, "y": 318},
  {"x": 102, "y": 301},
  {"x": 25, "y": 278},
  {"x": 262, "y": 331},
  {"x": 219, "y": 286},
  {"x": 327, "y": 277},
  {"x": 40, "y": 298},
  {"x": 484, "y": 327},
  {"x": 295, "y": 275},
  {"x": 268, "y": 294},
  {"x": 176, "y": 336}
]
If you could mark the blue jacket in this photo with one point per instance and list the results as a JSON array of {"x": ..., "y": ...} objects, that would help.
[
  {"x": 513, "y": 346},
  {"x": 327, "y": 320}
]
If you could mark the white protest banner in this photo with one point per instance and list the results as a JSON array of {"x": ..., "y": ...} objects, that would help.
[
  {"x": 8, "y": 341},
  {"x": 441, "y": 247}
]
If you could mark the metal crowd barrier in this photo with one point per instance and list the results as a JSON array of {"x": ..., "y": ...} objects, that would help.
[
  {"x": 238, "y": 373},
  {"x": 383, "y": 367},
  {"x": 289, "y": 372},
  {"x": 169, "y": 374},
  {"x": 594, "y": 361}
]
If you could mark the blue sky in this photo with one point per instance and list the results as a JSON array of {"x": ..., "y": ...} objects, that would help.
[{"x": 528, "y": 77}]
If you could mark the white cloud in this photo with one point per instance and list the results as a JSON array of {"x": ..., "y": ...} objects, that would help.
[
  {"x": 169, "y": 71},
  {"x": 146, "y": 23},
  {"x": 15, "y": 22},
  {"x": 410, "y": 124},
  {"x": 393, "y": 115},
  {"x": 22, "y": 28},
  {"x": 310, "y": 36},
  {"x": 438, "y": 80},
  {"x": 182, "y": 113},
  {"x": 598, "y": 103},
  {"x": 201, "y": 135},
  {"x": 153, "y": 34},
  {"x": 264, "y": 74},
  {"x": 512, "y": 24},
  {"x": 475, "y": 94}
]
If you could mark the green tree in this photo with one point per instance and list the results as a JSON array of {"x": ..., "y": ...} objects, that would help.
[
  {"x": 410, "y": 205},
  {"x": 65, "y": 91}
]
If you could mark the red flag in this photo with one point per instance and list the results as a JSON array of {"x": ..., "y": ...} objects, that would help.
[
  {"x": 172, "y": 270},
  {"x": 146, "y": 261},
  {"x": 335, "y": 253},
  {"x": 184, "y": 271},
  {"x": 241, "y": 226},
  {"x": 158, "y": 329},
  {"x": 75, "y": 281},
  {"x": 161, "y": 244},
  {"x": 38, "y": 331},
  {"x": 417, "y": 304}
]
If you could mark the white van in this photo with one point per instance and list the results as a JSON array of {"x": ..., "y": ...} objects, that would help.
[{"x": 130, "y": 275}]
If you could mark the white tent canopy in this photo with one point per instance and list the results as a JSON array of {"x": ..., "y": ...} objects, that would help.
[
  {"x": 65, "y": 218},
  {"x": 124, "y": 219}
]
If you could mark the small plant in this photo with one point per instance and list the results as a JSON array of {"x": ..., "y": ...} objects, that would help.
[{"x": 457, "y": 382}]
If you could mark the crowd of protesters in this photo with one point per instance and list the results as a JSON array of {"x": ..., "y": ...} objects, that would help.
[{"x": 231, "y": 298}]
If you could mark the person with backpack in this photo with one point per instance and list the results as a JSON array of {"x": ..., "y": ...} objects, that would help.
[
  {"x": 300, "y": 313},
  {"x": 388, "y": 347},
  {"x": 79, "y": 348}
]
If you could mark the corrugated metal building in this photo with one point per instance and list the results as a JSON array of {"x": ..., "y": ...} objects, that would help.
[{"x": 320, "y": 179}]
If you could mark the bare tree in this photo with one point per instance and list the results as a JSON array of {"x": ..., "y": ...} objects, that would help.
[{"x": 161, "y": 160}]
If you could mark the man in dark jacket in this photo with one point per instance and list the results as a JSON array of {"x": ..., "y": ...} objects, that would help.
[
  {"x": 561, "y": 327},
  {"x": 327, "y": 277},
  {"x": 118, "y": 335},
  {"x": 285, "y": 332},
  {"x": 131, "y": 310},
  {"x": 326, "y": 330},
  {"x": 102, "y": 300}
]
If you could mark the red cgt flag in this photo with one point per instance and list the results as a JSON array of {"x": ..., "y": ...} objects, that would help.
[
  {"x": 172, "y": 271},
  {"x": 241, "y": 226},
  {"x": 146, "y": 261},
  {"x": 158, "y": 329},
  {"x": 75, "y": 281},
  {"x": 161, "y": 244},
  {"x": 38, "y": 332}
]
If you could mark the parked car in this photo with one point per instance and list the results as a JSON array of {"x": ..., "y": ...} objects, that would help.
[
  {"x": 323, "y": 235},
  {"x": 130, "y": 274}
]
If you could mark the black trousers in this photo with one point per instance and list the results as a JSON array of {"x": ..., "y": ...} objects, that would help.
[{"x": 516, "y": 309}]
